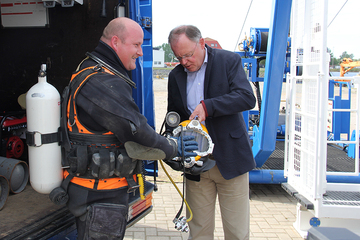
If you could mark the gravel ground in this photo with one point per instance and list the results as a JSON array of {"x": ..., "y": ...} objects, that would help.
[{"x": 161, "y": 72}]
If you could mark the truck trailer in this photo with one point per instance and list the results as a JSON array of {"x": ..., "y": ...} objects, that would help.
[{"x": 56, "y": 34}]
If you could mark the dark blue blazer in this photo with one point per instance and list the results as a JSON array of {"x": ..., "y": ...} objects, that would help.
[{"x": 227, "y": 93}]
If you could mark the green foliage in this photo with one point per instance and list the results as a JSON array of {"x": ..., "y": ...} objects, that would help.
[
  {"x": 169, "y": 55},
  {"x": 346, "y": 55},
  {"x": 336, "y": 61}
]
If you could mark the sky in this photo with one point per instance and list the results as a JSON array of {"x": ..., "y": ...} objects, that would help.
[{"x": 224, "y": 20}]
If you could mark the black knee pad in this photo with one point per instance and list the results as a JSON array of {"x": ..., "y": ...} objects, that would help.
[{"x": 106, "y": 221}]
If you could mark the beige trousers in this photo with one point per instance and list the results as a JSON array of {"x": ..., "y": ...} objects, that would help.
[{"x": 234, "y": 204}]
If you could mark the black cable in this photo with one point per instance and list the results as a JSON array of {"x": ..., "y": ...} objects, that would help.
[
  {"x": 162, "y": 126},
  {"x": 113, "y": 70},
  {"x": 155, "y": 163},
  {"x": 183, "y": 157},
  {"x": 155, "y": 184},
  {"x": 258, "y": 96}
]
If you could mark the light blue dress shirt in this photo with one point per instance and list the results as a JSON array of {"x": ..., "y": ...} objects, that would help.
[{"x": 195, "y": 85}]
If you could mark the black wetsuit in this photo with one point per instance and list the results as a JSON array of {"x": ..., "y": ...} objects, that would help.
[{"x": 104, "y": 103}]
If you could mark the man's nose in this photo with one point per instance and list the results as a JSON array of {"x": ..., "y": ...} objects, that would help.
[
  {"x": 140, "y": 52},
  {"x": 183, "y": 61}
]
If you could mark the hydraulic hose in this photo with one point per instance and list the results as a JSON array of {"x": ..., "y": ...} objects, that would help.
[{"x": 172, "y": 181}]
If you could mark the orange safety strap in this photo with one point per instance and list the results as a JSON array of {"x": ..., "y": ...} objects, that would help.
[
  {"x": 81, "y": 128},
  {"x": 99, "y": 184},
  {"x": 96, "y": 184}
]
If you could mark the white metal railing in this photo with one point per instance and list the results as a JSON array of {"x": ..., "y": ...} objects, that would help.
[{"x": 306, "y": 141}]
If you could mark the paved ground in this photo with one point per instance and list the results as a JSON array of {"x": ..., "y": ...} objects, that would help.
[
  {"x": 272, "y": 213},
  {"x": 272, "y": 210}
]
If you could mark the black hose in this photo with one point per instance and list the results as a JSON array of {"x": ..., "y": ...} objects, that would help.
[
  {"x": 103, "y": 9},
  {"x": 258, "y": 96}
]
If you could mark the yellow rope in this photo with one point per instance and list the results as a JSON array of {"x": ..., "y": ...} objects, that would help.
[{"x": 142, "y": 186}]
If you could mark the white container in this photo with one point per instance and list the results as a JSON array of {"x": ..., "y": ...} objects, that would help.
[{"x": 43, "y": 116}]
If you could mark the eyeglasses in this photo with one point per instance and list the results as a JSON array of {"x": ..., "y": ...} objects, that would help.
[{"x": 189, "y": 55}]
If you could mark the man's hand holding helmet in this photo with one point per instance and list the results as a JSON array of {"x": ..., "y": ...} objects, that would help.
[{"x": 185, "y": 146}]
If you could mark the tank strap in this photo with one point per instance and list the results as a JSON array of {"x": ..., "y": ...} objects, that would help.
[{"x": 47, "y": 138}]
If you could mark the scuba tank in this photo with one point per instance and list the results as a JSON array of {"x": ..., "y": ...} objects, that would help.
[{"x": 42, "y": 136}]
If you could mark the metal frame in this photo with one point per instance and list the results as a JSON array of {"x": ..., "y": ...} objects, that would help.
[
  {"x": 320, "y": 203},
  {"x": 264, "y": 136}
]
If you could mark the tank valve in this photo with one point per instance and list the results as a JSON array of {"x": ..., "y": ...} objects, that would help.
[
  {"x": 181, "y": 224},
  {"x": 42, "y": 72}
]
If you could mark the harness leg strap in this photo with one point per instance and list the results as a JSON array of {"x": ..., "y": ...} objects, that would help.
[{"x": 132, "y": 184}]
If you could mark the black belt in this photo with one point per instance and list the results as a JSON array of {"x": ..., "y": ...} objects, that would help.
[{"x": 45, "y": 138}]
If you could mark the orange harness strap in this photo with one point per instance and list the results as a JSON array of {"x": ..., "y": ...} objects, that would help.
[
  {"x": 71, "y": 102},
  {"x": 99, "y": 184},
  {"x": 96, "y": 184}
]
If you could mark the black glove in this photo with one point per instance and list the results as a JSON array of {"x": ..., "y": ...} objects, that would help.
[
  {"x": 197, "y": 170},
  {"x": 176, "y": 165}
]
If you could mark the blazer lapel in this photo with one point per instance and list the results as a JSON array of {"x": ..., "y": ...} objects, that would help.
[
  {"x": 208, "y": 69},
  {"x": 181, "y": 80}
]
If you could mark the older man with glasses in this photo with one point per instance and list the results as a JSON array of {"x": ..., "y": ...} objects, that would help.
[{"x": 211, "y": 85}]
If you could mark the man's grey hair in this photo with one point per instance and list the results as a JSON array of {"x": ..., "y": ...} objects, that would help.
[{"x": 190, "y": 31}]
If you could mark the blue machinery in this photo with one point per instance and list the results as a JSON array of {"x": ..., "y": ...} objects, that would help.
[
  {"x": 271, "y": 43},
  {"x": 264, "y": 135},
  {"x": 274, "y": 45}
]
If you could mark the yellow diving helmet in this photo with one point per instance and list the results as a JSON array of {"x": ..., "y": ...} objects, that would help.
[{"x": 201, "y": 136}]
